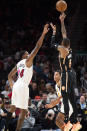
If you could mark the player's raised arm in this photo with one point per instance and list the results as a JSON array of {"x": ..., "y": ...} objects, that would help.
[
  {"x": 63, "y": 29},
  {"x": 53, "y": 35},
  {"x": 53, "y": 28},
  {"x": 10, "y": 76},
  {"x": 38, "y": 45}
]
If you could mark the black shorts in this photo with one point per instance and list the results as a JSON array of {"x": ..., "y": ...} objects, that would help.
[{"x": 68, "y": 80}]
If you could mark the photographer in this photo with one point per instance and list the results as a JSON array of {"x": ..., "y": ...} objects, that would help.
[
  {"x": 43, "y": 100},
  {"x": 29, "y": 122},
  {"x": 46, "y": 116},
  {"x": 82, "y": 117},
  {"x": 49, "y": 122}
]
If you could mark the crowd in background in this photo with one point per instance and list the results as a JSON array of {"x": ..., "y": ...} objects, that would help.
[{"x": 21, "y": 23}]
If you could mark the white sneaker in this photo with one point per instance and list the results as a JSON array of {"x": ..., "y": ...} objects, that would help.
[
  {"x": 76, "y": 126},
  {"x": 68, "y": 126}
]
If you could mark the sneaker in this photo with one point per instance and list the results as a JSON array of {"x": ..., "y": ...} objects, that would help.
[
  {"x": 76, "y": 126},
  {"x": 68, "y": 126}
]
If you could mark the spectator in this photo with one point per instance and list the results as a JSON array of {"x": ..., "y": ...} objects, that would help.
[
  {"x": 2, "y": 85},
  {"x": 29, "y": 122},
  {"x": 83, "y": 70},
  {"x": 82, "y": 102},
  {"x": 1, "y": 114},
  {"x": 1, "y": 103},
  {"x": 46, "y": 71},
  {"x": 6, "y": 91},
  {"x": 42, "y": 85},
  {"x": 43, "y": 101},
  {"x": 51, "y": 93},
  {"x": 85, "y": 82},
  {"x": 49, "y": 120},
  {"x": 34, "y": 90}
]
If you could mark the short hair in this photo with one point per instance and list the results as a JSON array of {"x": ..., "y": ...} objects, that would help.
[
  {"x": 59, "y": 71},
  {"x": 22, "y": 53},
  {"x": 66, "y": 42},
  {"x": 34, "y": 81}
]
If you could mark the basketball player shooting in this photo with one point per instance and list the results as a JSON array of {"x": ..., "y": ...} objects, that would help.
[
  {"x": 20, "y": 91},
  {"x": 67, "y": 79}
]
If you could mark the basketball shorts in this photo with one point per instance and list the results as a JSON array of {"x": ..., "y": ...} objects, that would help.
[{"x": 20, "y": 95}]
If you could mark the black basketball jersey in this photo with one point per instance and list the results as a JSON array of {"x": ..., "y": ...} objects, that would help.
[{"x": 65, "y": 64}]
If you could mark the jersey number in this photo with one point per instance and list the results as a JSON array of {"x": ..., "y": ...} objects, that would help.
[{"x": 21, "y": 73}]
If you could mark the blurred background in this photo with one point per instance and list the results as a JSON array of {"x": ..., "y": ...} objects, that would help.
[{"x": 21, "y": 24}]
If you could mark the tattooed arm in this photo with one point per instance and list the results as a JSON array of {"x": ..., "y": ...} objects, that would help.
[{"x": 63, "y": 29}]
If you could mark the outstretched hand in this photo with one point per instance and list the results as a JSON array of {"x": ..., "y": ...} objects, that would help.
[
  {"x": 62, "y": 17},
  {"x": 46, "y": 29},
  {"x": 53, "y": 27}
]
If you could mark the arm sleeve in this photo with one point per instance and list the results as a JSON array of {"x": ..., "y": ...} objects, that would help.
[{"x": 53, "y": 44}]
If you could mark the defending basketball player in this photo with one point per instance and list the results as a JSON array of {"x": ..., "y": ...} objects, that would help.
[{"x": 20, "y": 91}]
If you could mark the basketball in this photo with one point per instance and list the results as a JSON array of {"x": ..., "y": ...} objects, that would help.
[{"x": 61, "y": 5}]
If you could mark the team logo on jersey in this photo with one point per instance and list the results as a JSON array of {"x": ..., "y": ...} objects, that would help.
[{"x": 22, "y": 65}]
